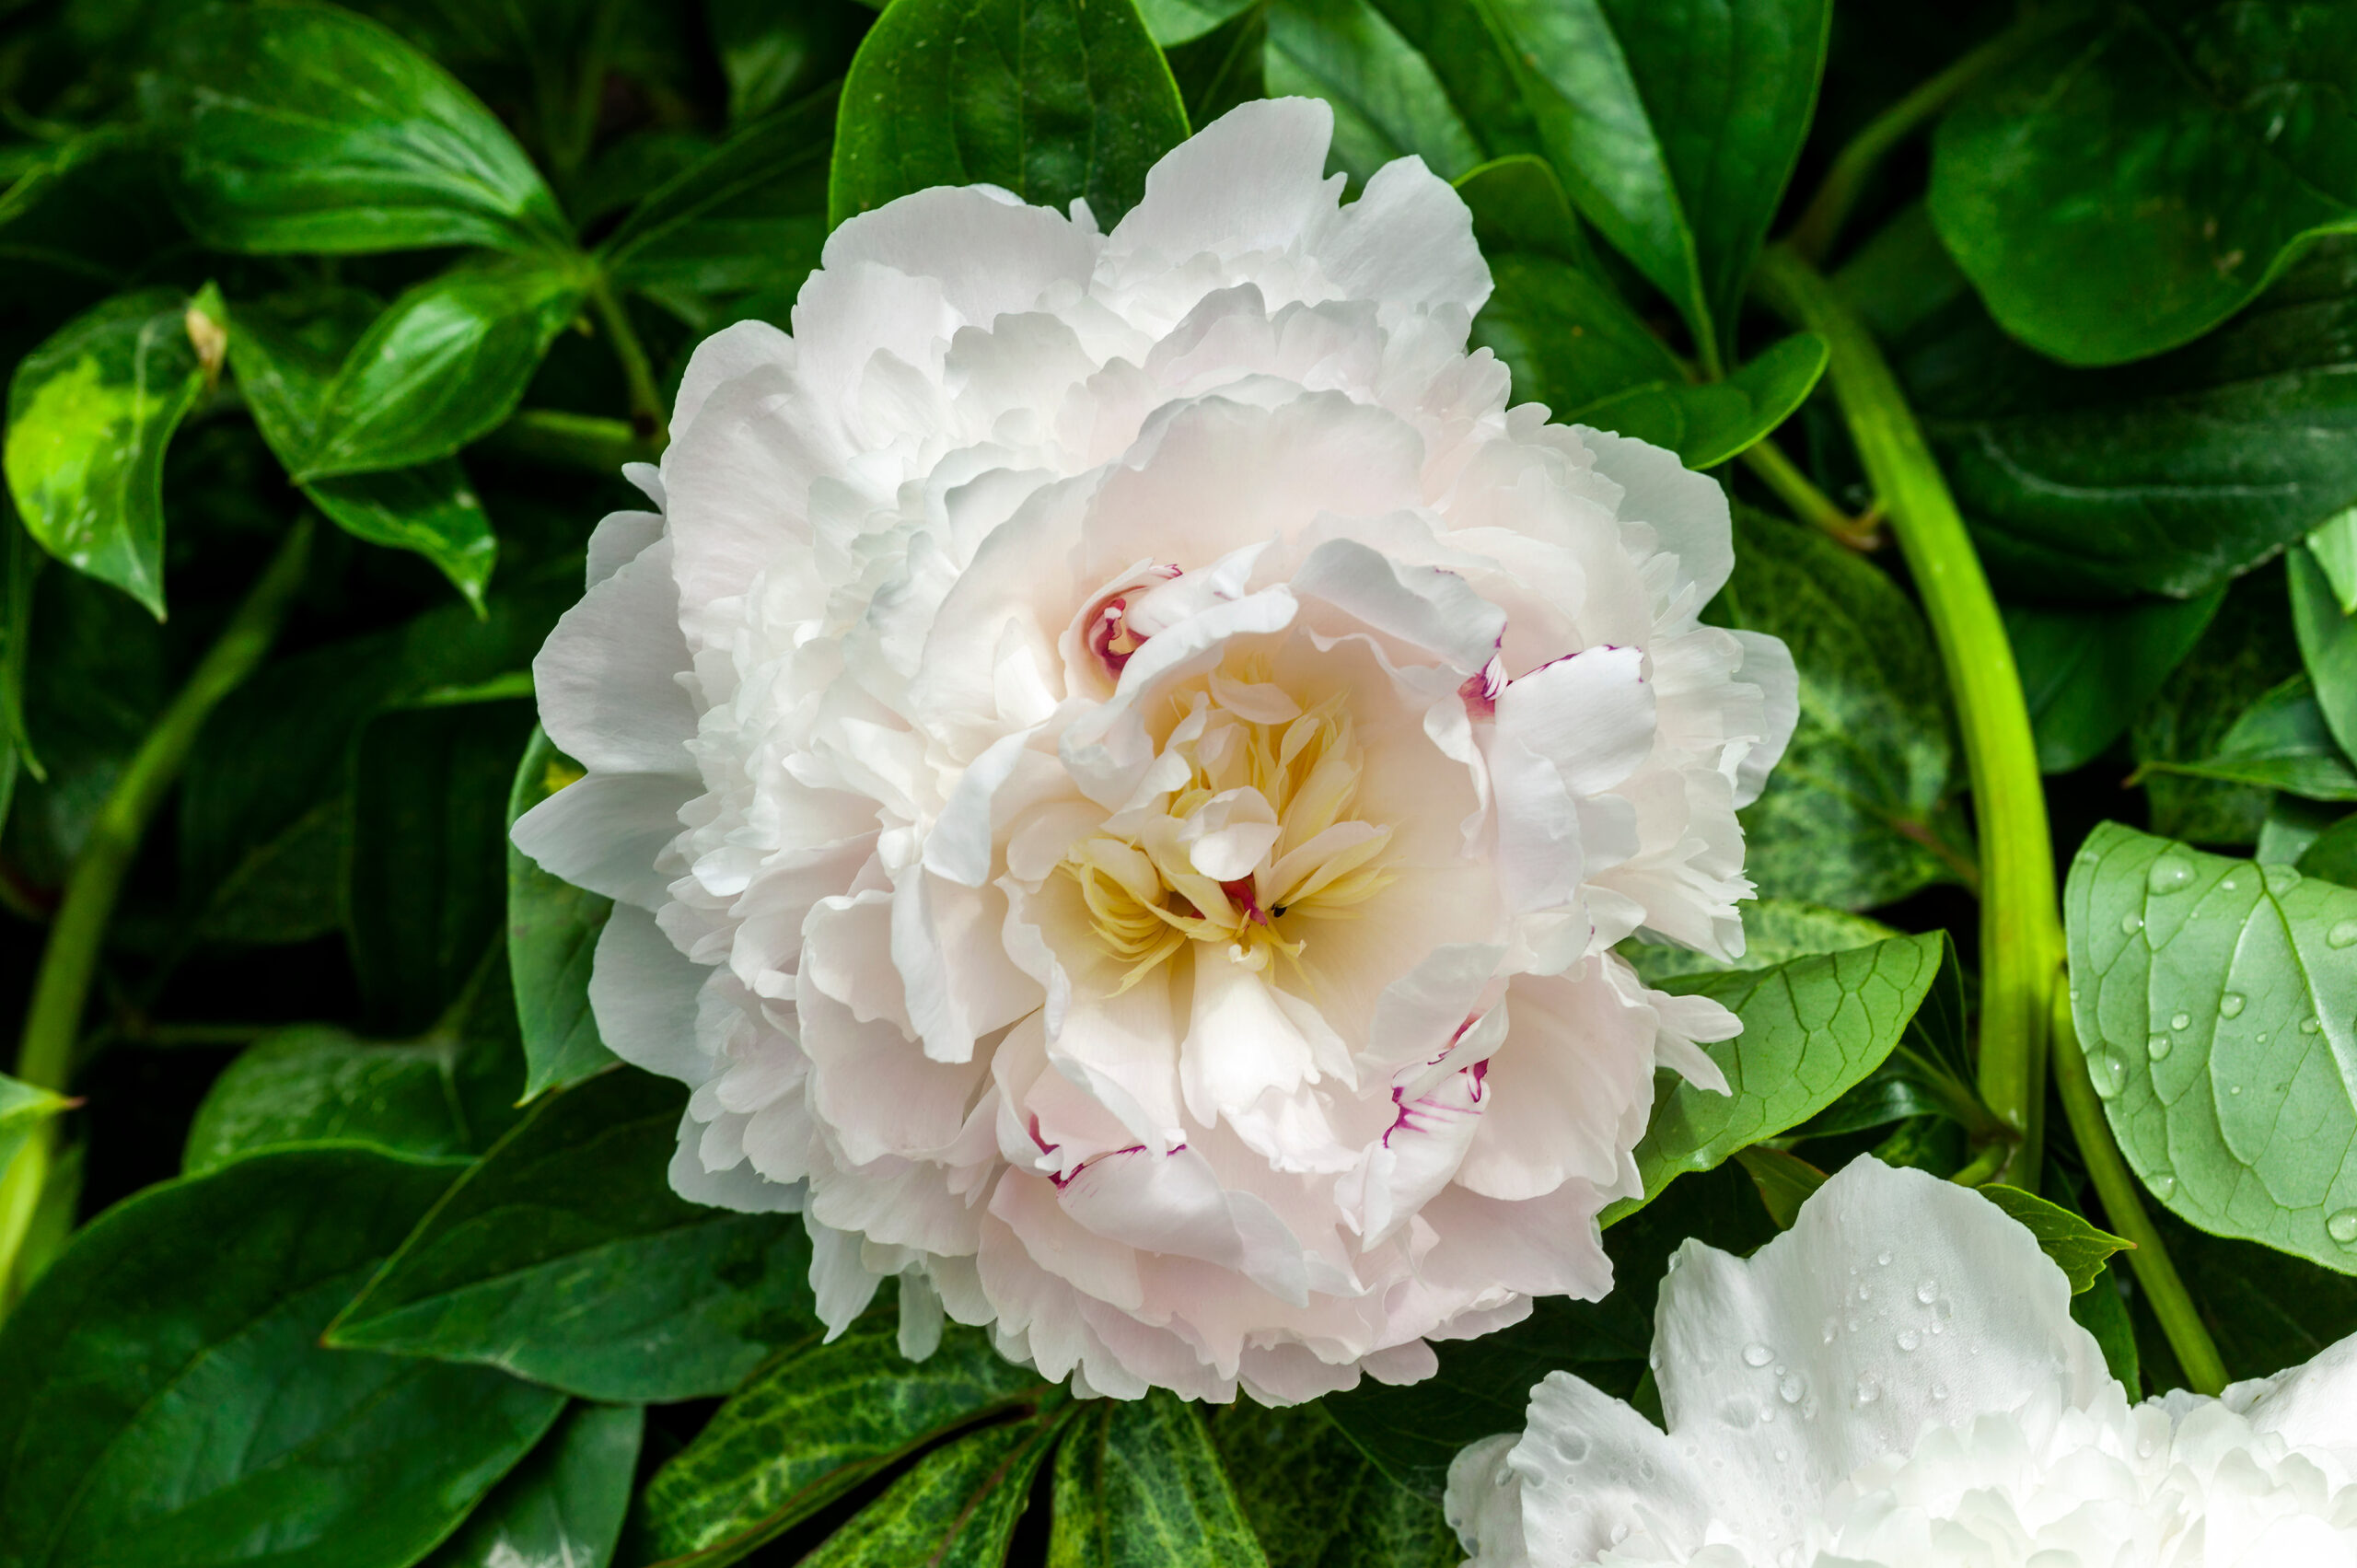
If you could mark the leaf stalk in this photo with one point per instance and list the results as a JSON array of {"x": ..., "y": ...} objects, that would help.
[{"x": 647, "y": 417}]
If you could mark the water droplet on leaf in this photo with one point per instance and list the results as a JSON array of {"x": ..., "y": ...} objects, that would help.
[
  {"x": 2157, "y": 1047},
  {"x": 2169, "y": 874},
  {"x": 2107, "y": 1071},
  {"x": 2230, "y": 1006},
  {"x": 2342, "y": 1227}
]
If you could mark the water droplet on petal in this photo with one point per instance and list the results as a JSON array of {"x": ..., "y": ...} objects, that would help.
[
  {"x": 1928, "y": 1292},
  {"x": 2342, "y": 935},
  {"x": 2230, "y": 1006},
  {"x": 2107, "y": 1071},
  {"x": 1909, "y": 1339},
  {"x": 2182, "y": 1020},
  {"x": 1939, "y": 1392},
  {"x": 2169, "y": 874},
  {"x": 1865, "y": 1292},
  {"x": 1882, "y": 1260},
  {"x": 1758, "y": 1355},
  {"x": 2158, "y": 1047},
  {"x": 1869, "y": 1390},
  {"x": 1790, "y": 1387},
  {"x": 2342, "y": 1227}
]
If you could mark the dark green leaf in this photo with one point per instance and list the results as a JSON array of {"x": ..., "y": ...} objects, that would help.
[
  {"x": 303, "y": 128},
  {"x": 2334, "y": 544},
  {"x": 2167, "y": 477},
  {"x": 2328, "y": 643},
  {"x": 2078, "y": 1248},
  {"x": 1182, "y": 21},
  {"x": 1315, "y": 1502},
  {"x": 2332, "y": 854},
  {"x": 1483, "y": 1385},
  {"x": 427, "y": 884},
  {"x": 1674, "y": 125},
  {"x": 446, "y": 363},
  {"x": 2134, "y": 179},
  {"x": 562, "y": 1507},
  {"x": 2269, "y": 1311},
  {"x": 956, "y": 1509},
  {"x": 1138, "y": 1485},
  {"x": 1226, "y": 66},
  {"x": 1387, "y": 101},
  {"x": 169, "y": 1403},
  {"x": 2238, "y": 659},
  {"x": 553, "y": 931},
  {"x": 89, "y": 414},
  {"x": 1812, "y": 1029},
  {"x": 1518, "y": 205},
  {"x": 2087, "y": 672},
  {"x": 2281, "y": 743},
  {"x": 2214, "y": 998},
  {"x": 1052, "y": 99},
  {"x": 1856, "y": 814},
  {"x": 564, "y": 1257},
  {"x": 2102, "y": 1311},
  {"x": 316, "y": 1081},
  {"x": 1785, "y": 1181},
  {"x": 774, "y": 53},
  {"x": 813, "y": 1425}
]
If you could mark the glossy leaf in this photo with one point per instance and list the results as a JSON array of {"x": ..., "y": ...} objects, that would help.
[
  {"x": 170, "y": 1403},
  {"x": 564, "y": 1257},
  {"x": 2135, "y": 179},
  {"x": 1052, "y": 99},
  {"x": 1856, "y": 814},
  {"x": 1483, "y": 1385},
  {"x": 2078, "y": 1248},
  {"x": 956, "y": 1508},
  {"x": 2327, "y": 640},
  {"x": 2333, "y": 542},
  {"x": 553, "y": 931},
  {"x": 2266, "y": 1310},
  {"x": 318, "y": 1082},
  {"x": 1224, "y": 67},
  {"x": 1674, "y": 125},
  {"x": 2167, "y": 477},
  {"x": 2239, "y": 659},
  {"x": 2281, "y": 743},
  {"x": 1774, "y": 930},
  {"x": 2214, "y": 999},
  {"x": 89, "y": 414},
  {"x": 444, "y": 364},
  {"x": 1139, "y": 1485},
  {"x": 285, "y": 359},
  {"x": 303, "y": 127},
  {"x": 1182, "y": 21},
  {"x": 1315, "y": 1502},
  {"x": 1783, "y": 1179},
  {"x": 813, "y": 1425},
  {"x": 1812, "y": 1029},
  {"x": 1518, "y": 205},
  {"x": 1387, "y": 102},
  {"x": 562, "y": 1507},
  {"x": 2332, "y": 854},
  {"x": 2088, "y": 671}
]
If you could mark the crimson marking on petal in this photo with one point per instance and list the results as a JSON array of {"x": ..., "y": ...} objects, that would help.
[
  {"x": 1427, "y": 1107},
  {"x": 1480, "y": 690},
  {"x": 1246, "y": 899}
]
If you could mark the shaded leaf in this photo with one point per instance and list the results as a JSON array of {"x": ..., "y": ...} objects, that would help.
[
  {"x": 1052, "y": 99},
  {"x": 2078, "y": 1248},
  {"x": 2281, "y": 743},
  {"x": 305, "y": 128},
  {"x": 2238, "y": 659},
  {"x": 2215, "y": 999},
  {"x": 1774, "y": 930},
  {"x": 1387, "y": 103},
  {"x": 89, "y": 413},
  {"x": 564, "y": 1257},
  {"x": 1315, "y": 1502},
  {"x": 315, "y": 1082},
  {"x": 2087, "y": 672},
  {"x": 562, "y": 1507},
  {"x": 1518, "y": 205},
  {"x": 23, "y": 1108},
  {"x": 1138, "y": 1485},
  {"x": 2328, "y": 643},
  {"x": 553, "y": 931},
  {"x": 2332, "y": 854},
  {"x": 1785, "y": 1181},
  {"x": 178, "y": 1337},
  {"x": 774, "y": 53}
]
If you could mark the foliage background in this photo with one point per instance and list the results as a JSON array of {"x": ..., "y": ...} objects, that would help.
[{"x": 329, "y": 1233}]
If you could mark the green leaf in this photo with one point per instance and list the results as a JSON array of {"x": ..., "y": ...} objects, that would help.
[
  {"x": 1856, "y": 814},
  {"x": 774, "y": 53},
  {"x": 562, "y": 1507},
  {"x": 1182, "y": 21},
  {"x": 2214, "y": 999},
  {"x": 1138, "y": 1485},
  {"x": 1572, "y": 345},
  {"x": 2077, "y": 1248},
  {"x": 2332, "y": 854},
  {"x": 2238, "y": 659},
  {"x": 2334, "y": 544},
  {"x": 1785, "y": 1181},
  {"x": 564, "y": 1257},
  {"x": 1483, "y": 1385},
  {"x": 1774, "y": 930},
  {"x": 1315, "y": 1502},
  {"x": 2281, "y": 743},
  {"x": 1518, "y": 205},
  {"x": 2133, "y": 180},
  {"x": 2267, "y": 1311},
  {"x": 285, "y": 353},
  {"x": 2328, "y": 643},
  {"x": 750, "y": 215},
  {"x": 1674, "y": 125},
  {"x": 1387, "y": 103},
  {"x": 956, "y": 1509},
  {"x": 1812, "y": 1029},
  {"x": 23, "y": 1108},
  {"x": 89, "y": 413},
  {"x": 316, "y": 1081},
  {"x": 2103, "y": 1312},
  {"x": 2169, "y": 477},
  {"x": 2087, "y": 672},
  {"x": 447, "y": 362},
  {"x": 553, "y": 931},
  {"x": 305, "y": 128},
  {"x": 1226, "y": 66},
  {"x": 1052, "y": 99},
  {"x": 170, "y": 1403},
  {"x": 426, "y": 887},
  {"x": 815, "y": 1424}
]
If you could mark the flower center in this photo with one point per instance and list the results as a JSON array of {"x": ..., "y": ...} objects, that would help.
[{"x": 1259, "y": 839}]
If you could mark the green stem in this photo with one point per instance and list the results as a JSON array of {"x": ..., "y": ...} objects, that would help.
[
  {"x": 1809, "y": 504},
  {"x": 1854, "y": 166},
  {"x": 69, "y": 962},
  {"x": 1985, "y": 1165},
  {"x": 580, "y": 441},
  {"x": 2021, "y": 934},
  {"x": 2124, "y": 1211},
  {"x": 646, "y": 413}
]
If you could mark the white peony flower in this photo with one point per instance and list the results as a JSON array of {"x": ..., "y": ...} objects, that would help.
[
  {"x": 1897, "y": 1380},
  {"x": 1123, "y": 764}
]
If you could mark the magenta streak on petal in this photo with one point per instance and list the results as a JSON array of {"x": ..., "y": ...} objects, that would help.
[
  {"x": 1428, "y": 1107},
  {"x": 1109, "y": 637},
  {"x": 1068, "y": 1177},
  {"x": 1480, "y": 690},
  {"x": 1242, "y": 891}
]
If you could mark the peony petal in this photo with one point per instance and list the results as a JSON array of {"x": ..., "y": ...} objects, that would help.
[
  {"x": 1687, "y": 511},
  {"x": 604, "y": 833},
  {"x": 992, "y": 254},
  {"x": 642, "y": 991},
  {"x": 1767, "y": 663},
  {"x": 619, "y": 539},
  {"x": 607, "y": 677},
  {"x": 1427, "y": 609},
  {"x": 1409, "y": 237},
  {"x": 1252, "y": 180}
]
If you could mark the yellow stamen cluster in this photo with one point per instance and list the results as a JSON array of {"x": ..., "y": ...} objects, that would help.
[{"x": 1146, "y": 899}]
